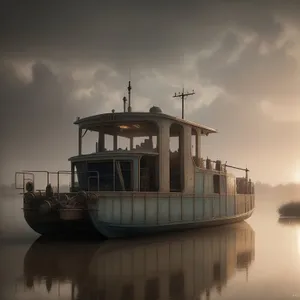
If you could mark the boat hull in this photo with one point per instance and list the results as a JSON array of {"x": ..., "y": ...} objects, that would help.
[
  {"x": 124, "y": 215},
  {"x": 121, "y": 231},
  {"x": 49, "y": 223},
  {"x": 52, "y": 225},
  {"x": 131, "y": 215}
]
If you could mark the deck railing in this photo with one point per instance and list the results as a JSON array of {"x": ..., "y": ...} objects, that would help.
[
  {"x": 217, "y": 165},
  {"x": 30, "y": 176}
]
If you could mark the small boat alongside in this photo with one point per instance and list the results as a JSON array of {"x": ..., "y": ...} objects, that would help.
[{"x": 144, "y": 188}]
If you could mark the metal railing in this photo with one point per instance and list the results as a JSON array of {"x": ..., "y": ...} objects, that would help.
[
  {"x": 216, "y": 166},
  {"x": 205, "y": 163},
  {"x": 31, "y": 176}
]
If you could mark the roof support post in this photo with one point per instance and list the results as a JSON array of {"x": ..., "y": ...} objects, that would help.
[
  {"x": 163, "y": 141},
  {"x": 79, "y": 141}
]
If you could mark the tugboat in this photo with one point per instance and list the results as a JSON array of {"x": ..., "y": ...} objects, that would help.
[{"x": 144, "y": 188}]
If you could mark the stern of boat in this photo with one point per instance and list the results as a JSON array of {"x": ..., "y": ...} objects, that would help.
[{"x": 50, "y": 211}]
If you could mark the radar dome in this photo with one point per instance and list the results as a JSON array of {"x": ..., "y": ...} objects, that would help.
[{"x": 155, "y": 110}]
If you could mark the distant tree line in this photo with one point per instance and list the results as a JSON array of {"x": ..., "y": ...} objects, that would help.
[
  {"x": 286, "y": 191},
  {"x": 6, "y": 190}
]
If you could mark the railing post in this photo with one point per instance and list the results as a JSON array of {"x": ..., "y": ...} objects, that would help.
[
  {"x": 72, "y": 175},
  {"x": 23, "y": 183},
  {"x": 194, "y": 208},
  {"x": 145, "y": 209},
  {"x": 246, "y": 180},
  {"x": 121, "y": 208},
  {"x": 169, "y": 208},
  {"x": 157, "y": 208},
  {"x": 58, "y": 185},
  {"x": 181, "y": 207},
  {"x": 132, "y": 211},
  {"x": 79, "y": 141}
]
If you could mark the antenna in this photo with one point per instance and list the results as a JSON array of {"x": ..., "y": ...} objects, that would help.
[
  {"x": 129, "y": 96},
  {"x": 182, "y": 95}
]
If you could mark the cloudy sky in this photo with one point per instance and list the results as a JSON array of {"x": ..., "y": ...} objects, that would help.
[{"x": 62, "y": 59}]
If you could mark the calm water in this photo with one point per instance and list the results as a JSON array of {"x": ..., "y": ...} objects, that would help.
[{"x": 257, "y": 259}]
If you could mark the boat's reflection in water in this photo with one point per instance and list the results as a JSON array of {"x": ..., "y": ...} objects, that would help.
[{"x": 176, "y": 266}]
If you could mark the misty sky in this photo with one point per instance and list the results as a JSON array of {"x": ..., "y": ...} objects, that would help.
[{"x": 62, "y": 59}]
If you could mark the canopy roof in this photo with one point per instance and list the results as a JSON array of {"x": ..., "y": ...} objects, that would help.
[{"x": 132, "y": 122}]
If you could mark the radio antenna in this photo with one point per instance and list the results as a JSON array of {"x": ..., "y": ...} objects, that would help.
[{"x": 183, "y": 95}]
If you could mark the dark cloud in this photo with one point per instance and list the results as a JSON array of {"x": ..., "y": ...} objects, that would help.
[
  {"x": 80, "y": 53},
  {"x": 138, "y": 31},
  {"x": 32, "y": 114},
  {"x": 253, "y": 75}
]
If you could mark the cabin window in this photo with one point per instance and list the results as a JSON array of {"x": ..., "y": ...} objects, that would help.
[
  {"x": 216, "y": 181},
  {"x": 106, "y": 175},
  {"x": 123, "y": 175},
  {"x": 101, "y": 176},
  {"x": 75, "y": 187},
  {"x": 80, "y": 173},
  {"x": 149, "y": 173}
]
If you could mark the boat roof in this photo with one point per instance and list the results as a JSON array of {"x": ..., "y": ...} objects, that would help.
[
  {"x": 138, "y": 116},
  {"x": 109, "y": 154}
]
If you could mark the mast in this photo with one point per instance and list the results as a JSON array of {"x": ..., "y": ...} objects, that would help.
[
  {"x": 182, "y": 95},
  {"x": 129, "y": 96}
]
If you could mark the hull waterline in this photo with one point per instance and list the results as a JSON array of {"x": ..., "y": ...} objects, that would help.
[{"x": 122, "y": 231}]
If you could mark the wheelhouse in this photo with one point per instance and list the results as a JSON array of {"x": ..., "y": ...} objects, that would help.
[{"x": 140, "y": 157}]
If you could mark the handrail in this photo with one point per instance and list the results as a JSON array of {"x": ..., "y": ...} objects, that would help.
[
  {"x": 57, "y": 173},
  {"x": 24, "y": 179},
  {"x": 229, "y": 166},
  {"x": 48, "y": 173},
  {"x": 99, "y": 178},
  {"x": 237, "y": 168}
]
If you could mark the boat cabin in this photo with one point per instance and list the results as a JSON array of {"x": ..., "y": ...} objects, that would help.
[{"x": 147, "y": 164}]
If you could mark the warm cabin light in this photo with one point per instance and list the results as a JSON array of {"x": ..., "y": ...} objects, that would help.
[{"x": 128, "y": 127}]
